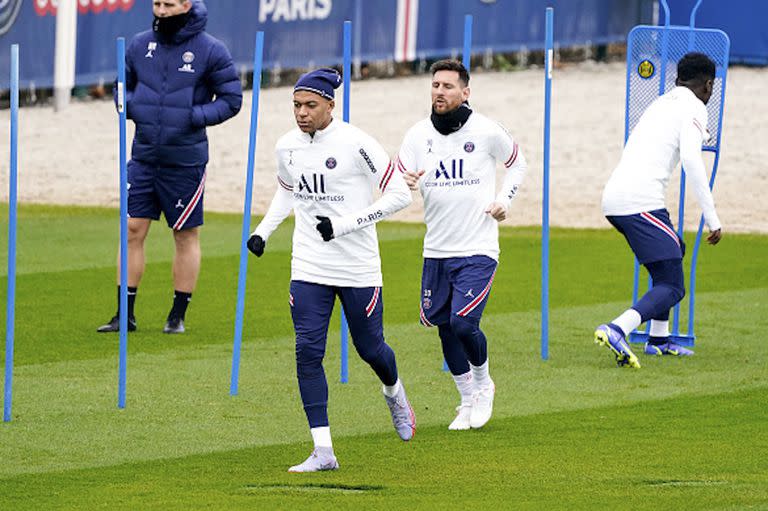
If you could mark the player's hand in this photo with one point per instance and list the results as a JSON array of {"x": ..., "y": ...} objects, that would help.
[
  {"x": 325, "y": 227},
  {"x": 412, "y": 179},
  {"x": 256, "y": 245},
  {"x": 715, "y": 237},
  {"x": 497, "y": 211}
]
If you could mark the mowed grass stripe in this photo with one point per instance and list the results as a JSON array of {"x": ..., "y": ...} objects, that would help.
[
  {"x": 658, "y": 455},
  {"x": 178, "y": 403}
]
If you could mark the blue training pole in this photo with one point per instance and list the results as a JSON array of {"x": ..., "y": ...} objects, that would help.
[
  {"x": 12, "y": 188},
  {"x": 242, "y": 273},
  {"x": 123, "y": 316},
  {"x": 548, "y": 56},
  {"x": 467, "y": 55},
  {"x": 347, "y": 77}
]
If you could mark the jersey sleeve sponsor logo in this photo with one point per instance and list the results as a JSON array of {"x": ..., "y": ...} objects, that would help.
[
  {"x": 368, "y": 160},
  {"x": 372, "y": 217}
]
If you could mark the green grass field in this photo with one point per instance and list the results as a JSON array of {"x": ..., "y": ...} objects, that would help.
[{"x": 574, "y": 432}]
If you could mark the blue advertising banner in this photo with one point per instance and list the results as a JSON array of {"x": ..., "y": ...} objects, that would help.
[
  {"x": 22, "y": 22},
  {"x": 510, "y": 25},
  {"x": 743, "y": 20},
  {"x": 306, "y": 33}
]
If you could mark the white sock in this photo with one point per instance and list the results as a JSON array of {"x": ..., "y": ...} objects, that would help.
[
  {"x": 322, "y": 436},
  {"x": 465, "y": 385},
  {"x": 392, "y": 390},
  {"x": 628, "y": 321},
  {"x": 481, "y": 375},
  {"x": 659, "y": 328}
]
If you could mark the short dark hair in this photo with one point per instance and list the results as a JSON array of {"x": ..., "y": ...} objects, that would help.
[
  {"x": 451, "y": 65},
  {"x": 695, "y": 67}
]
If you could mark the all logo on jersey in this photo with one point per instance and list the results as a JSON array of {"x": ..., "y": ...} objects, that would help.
[
  {"x": 330, "y": 163},
  {"x": 314, "y": 184},
  {"x": 469, "y": 147},
  {"x": 456, "y": 172},
  {"x": 450, "y": 175}
]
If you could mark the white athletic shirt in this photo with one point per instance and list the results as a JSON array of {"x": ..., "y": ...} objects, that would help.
[
  {"x": 333, "y": 174},
  {"x": 459, "y": 183},
  {"x": 670, "y": 131}
]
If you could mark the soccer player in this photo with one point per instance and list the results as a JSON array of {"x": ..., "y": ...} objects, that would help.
[
  {"x": 451, "y": 157},
  {"x": 326, "y": 172},
  {"x": 671, "y": 130},
  {"x": 179, "y": 80}
]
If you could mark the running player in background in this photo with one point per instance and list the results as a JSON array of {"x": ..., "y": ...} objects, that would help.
[
  {"x": 670, "y": 131},
  {"x": 451, "y": 157},
  {"x": 326, "y": 171}
]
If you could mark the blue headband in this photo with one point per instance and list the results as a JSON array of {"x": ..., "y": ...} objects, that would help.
[{"x": 321, "y": 81}]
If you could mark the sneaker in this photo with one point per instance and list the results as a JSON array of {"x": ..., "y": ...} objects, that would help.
[
  {"x": 114, "y": 325},
  {"x": 461, "y": 422},
  {"x": 482, "y": 406},
  {"x": 607, "y": 336},
  {"x": 322, "y": 458},
  {"x": 403, "y": 417},
  {"x": 668, "y": 348},
  {"x": 174, "y": 326}
]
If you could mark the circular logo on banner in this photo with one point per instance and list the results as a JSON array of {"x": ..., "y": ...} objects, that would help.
[
  {"x": 188, "y": 57},
  {"x": 646, "y": 69},
  {"x": 469, "y": 147},
  {"x": 330, "y": 163},
  {"x": 9, "y": 9}
]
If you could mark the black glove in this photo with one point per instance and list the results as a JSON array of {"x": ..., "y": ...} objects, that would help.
[
  {"x": 325, "y": 227},
  {"x": 256, "y": 245}
]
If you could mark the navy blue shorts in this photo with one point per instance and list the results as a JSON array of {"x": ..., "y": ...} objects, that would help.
[
  {"x": 176, "y": 191},
  {"x": 650, "y": 235},
  {"x": 456, "y": 285}
]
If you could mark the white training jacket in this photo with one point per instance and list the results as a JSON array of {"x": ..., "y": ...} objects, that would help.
[
  {"x": 670, "y": 131},
  {"x": 334, "y": 174},
  {"x": 460, "y": 183}
]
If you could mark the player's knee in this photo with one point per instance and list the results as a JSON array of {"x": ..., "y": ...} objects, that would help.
[
  {"x": 309, "y": 358},
  {"x": 370, "y": 352},
  {"x": 464, "y": 327}
]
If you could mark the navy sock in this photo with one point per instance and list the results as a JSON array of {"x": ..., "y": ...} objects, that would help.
[
  {"x": 658, "y": 341},
  {"x": 131, "y": 300},
  {"x": 180, "y": 302}
]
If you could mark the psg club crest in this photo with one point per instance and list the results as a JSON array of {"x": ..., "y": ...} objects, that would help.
[
  {"x": 427, "y": 304},
  {"x": 469, "y": 147},
  {"x": 9, "y": 9},
  {"x": 330, "y": 163},
  {"x": 188, "y": 57}
]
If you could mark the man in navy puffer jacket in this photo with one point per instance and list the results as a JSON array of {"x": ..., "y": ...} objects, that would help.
[{"x": 179, "y": 80}]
